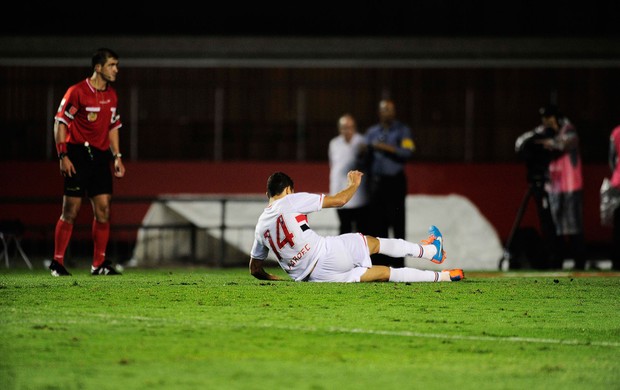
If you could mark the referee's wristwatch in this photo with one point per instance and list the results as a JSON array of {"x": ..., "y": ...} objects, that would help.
[{"x": 117, "y": 156}]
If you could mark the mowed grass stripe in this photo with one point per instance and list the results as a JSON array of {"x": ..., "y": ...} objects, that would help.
[{"x": 120, "y": 319}]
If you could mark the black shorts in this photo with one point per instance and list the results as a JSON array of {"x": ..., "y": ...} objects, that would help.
[{"x": 93, "y": 174}]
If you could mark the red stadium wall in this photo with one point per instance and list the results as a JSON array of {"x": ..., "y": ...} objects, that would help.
[{"x": 496, "y": 189}]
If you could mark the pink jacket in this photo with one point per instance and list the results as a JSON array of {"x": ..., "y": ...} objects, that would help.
[
  {"x": 565, "y": 171},
  {"x": 614, "y": 158}
]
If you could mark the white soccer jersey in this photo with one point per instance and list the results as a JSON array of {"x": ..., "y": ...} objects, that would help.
[{"x": 283, "y": 228}]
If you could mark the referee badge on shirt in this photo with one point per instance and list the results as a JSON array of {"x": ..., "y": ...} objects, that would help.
[{"x": 92, "y": 113}]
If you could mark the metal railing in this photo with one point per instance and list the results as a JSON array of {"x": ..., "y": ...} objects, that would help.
[{"x": 180, "y": 241}]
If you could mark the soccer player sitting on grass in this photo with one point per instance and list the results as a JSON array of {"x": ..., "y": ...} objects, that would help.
[{"x": 308, "y": 257}]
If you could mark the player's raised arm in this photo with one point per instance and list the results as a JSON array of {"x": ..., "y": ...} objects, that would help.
[{"x": 339, "y": 199}]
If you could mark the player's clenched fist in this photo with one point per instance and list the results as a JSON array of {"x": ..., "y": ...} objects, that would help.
[{"x": 355, "y": 177}]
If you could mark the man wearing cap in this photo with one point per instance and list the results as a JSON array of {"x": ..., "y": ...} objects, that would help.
[{"x": 565, "y": 184}]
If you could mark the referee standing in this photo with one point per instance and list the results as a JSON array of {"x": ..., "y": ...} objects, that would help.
[{"x": 86, "y": 130}]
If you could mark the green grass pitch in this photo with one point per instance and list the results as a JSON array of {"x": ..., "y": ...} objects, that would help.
[{"x": 202, "y": 328}]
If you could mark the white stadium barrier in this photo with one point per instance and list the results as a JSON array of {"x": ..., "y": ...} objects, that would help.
[{"x": 218, "y": 230}]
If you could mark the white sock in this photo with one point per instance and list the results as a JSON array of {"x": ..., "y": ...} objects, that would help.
[
  {"x": 415, "y": 275},
  {"x": 397, "y": 247},
  {"x": 444, "y": 276}
]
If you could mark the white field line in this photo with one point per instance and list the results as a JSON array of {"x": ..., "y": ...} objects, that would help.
[
  {"x": 476, "y": 338},
  {"x": 119, "y": 319}
]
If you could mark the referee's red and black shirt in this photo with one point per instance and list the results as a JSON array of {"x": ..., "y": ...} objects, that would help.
[{"x": 89, "y": 114}]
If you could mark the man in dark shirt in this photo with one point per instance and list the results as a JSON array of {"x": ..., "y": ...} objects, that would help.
[{"x": 389, "y": 146}]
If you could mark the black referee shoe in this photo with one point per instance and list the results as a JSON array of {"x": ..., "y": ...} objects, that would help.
[
  {"x": 58, "y": 269},
  {"x": 104, "y": 269}
]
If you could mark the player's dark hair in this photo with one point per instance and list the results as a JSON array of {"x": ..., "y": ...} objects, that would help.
[
  {"x": 101, "y": 56},
  {"x": 277, "y": 183}
]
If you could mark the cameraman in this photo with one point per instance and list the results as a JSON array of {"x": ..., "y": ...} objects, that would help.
[{"x": 565, "y": 184}]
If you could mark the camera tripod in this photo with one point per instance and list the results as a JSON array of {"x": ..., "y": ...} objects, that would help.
[{"x": 535, "y": 189}]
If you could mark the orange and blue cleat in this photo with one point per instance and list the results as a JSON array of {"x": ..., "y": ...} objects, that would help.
[
  {"x": 435, "y": 238},
  {"x": 455, "y": 274}
]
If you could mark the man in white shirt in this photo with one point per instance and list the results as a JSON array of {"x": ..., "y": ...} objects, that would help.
[
  {"x": 343, "y": 156},
  {"x": 306, "y": 256}
]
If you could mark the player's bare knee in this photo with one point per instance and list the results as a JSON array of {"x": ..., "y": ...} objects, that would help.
[
  {"x": 377, "y": 273},
  {"x": 373, "y": 244}
]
